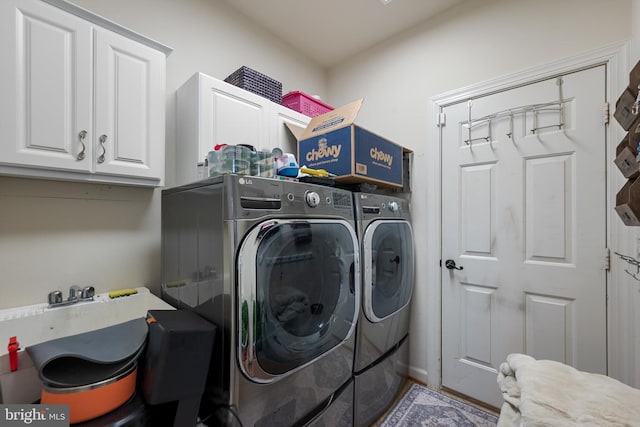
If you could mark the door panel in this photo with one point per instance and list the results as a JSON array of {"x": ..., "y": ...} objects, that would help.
[
  {"x": 524, "y": 214},
  {"x": 477, "y": 208},
  {"x": 233, "y": 116},
  {"x": 549, "y": 183},
  {"x": 281, "y": 136},
  {"x": 129, "y": 87},
  {"x": 46, "y": 87}
]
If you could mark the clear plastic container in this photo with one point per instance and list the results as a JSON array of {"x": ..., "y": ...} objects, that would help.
[
  {"x": 235, "y": 159},
  {"x": 213, "y": 157},
  {"x": 262, "y": 164}
]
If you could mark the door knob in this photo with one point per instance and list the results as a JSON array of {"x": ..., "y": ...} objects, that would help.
[{"x": 451, "y": 265}]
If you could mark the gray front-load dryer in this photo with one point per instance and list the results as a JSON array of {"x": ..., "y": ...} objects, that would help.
[
  {"x": 381, "y": 361},
  {"x": 274, "y": 265}
]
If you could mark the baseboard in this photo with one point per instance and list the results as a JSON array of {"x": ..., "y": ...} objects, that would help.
[{"x": 417, "y": 374}]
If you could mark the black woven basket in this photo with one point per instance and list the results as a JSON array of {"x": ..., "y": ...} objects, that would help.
[{"x": 253, "y": 81}]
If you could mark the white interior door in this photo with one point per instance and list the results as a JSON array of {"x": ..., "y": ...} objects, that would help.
[{"x": 524, "y": 215}]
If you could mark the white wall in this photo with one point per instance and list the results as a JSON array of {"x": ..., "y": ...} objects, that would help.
[
  {"x": 472, "y": 43},
  {"x": 635, "y": 19},
  {"x": 55, "y": 234}
]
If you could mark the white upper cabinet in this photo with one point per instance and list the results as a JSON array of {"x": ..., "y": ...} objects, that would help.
[
  {"x": 81, "y": 101},
  {"x": 211, "y": 112}
]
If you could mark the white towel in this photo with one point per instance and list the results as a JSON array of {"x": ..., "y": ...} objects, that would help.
[{"x": 547, "y": 393}]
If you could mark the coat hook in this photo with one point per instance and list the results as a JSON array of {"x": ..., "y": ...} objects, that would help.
[{"x": 469, "y": 104}]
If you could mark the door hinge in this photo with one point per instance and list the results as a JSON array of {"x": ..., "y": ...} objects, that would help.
[
  {"x": 607, "y": 259},
  {"x": 606, "y": 113},
  {"x": 441, "y": 119}
]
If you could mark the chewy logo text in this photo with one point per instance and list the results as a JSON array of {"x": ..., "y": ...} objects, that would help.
[
  {"x": 323, "y": 151},
  {"x": 381, "y": 156}
]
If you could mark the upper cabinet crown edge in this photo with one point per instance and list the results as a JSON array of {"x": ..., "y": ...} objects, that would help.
[{"x": 110, "y": 25}]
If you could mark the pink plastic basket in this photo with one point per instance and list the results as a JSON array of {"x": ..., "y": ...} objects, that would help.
[{"x": 305, "y": 104}]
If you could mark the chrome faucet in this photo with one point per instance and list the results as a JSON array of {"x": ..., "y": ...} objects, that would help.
[
  {"x": 76, "y": 294},
  {"x": 55, "y": 298},
  {"x": 87, "y": 293}
]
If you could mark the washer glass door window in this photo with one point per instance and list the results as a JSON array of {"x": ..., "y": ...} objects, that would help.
[
  {"x": 388, "y": 268},
  {"x": 298, "y": 294}
]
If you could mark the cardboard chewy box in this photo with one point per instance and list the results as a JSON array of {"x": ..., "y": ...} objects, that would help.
[{"x": 334, "y": 143}]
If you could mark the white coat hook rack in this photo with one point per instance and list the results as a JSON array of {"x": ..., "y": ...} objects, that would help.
[
  {"x": 471, "y": 123},
  {"x": 510, "y": 134},
  {"x": 468, "y": 140},
  {"x": 632, "y": 261},
  {"x": 476, "y": 123},
  {"x": 556, "y": 106}
]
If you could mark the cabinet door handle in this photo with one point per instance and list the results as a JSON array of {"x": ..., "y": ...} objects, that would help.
[
  {"x": 103, "y": 139},
  {"x": 82, "y": 135}
]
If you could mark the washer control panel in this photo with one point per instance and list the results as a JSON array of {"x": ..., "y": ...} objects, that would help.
[{"x": 257, "y": 195}]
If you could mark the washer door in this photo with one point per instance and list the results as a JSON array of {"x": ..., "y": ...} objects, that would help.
[
  {"x": 388, "y": 259},
  {"x": 297, "y": 294}
]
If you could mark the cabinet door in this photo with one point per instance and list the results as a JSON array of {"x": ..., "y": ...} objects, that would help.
[
  {"x": 230, "y": 115},
  {"x": 129, "y": 107},
  {"x": 281, "y": 136},
  {"x": 45, "y": 82}
]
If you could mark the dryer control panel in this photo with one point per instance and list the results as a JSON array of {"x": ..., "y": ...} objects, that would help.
[{"x": 372, "y": 206}]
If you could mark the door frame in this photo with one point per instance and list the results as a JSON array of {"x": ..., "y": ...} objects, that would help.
[{"x": 620, "y": 289}]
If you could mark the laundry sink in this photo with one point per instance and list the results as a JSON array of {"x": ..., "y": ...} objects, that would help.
[{"x": 38, "y": 323}]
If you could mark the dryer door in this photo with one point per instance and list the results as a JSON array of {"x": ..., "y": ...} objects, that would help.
[
  {"x": 297, "y": 294},
  {"x": 388, "y": 260}
]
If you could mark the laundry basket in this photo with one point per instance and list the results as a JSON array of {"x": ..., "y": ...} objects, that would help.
[
  {"x": 258, "y": 83},
  {"x": 305, "y": 104}
]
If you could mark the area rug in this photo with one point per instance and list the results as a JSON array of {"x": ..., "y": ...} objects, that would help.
[{"x": 423, "y": 407}]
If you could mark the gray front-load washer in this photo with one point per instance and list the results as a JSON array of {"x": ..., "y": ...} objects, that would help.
[{"x": 274, "y": 265}]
